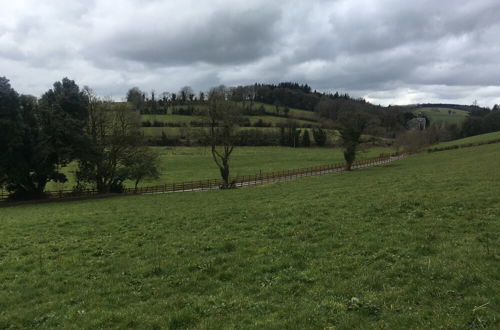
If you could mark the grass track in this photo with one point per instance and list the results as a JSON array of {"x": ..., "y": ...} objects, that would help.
[{"x": 411, "y": 245}]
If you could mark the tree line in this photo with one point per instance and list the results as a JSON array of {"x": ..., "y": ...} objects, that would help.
[
  {"x": 41, "y": 136},
  {"x": 385, "y": 121},
  {"x": 481, "y": 121},
  {"x": 388, "y": 122}
]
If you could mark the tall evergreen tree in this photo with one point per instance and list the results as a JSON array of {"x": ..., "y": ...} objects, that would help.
[
  {"x": 306, "y": 140},
  {"x": 352, "y": 125}
]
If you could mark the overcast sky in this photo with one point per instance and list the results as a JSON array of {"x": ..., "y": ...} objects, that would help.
[{"x": 389, "y": 52}]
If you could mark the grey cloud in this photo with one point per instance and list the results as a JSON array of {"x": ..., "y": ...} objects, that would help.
[
  {"x": 390, "y": 24},
  {"x": 387, "y": 50},
  {"x": 224, "y": 37}
]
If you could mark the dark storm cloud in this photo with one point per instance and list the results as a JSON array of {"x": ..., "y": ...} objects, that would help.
[
  {"x": 387, "y": 51},
  {"x": 223, "y": 37}
]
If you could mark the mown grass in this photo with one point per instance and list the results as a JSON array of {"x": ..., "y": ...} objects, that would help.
[
  {"x": 437, "y": 115},
  {"x": 471, "y": 139},
  {"x": 412, "y": 245},
  {"x": 195, "y": 163}
]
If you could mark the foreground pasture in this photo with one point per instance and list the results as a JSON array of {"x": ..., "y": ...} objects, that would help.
[{"x": 414, "y": 244}]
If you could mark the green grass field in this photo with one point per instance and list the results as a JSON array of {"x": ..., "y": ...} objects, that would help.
[
  {"x": 195, "y": 163},
  {"x": 171, "y": 118},
  {"x": 179, "y": 131},
  {"x": 471, "y": 139},
  {"x": 437, "y": 115},
  {"x": 309, "y": 115},
  {"x": 294, "y": 113},
  {"x": 253, "y": 119},
  {"x": 412, "y": 245}
]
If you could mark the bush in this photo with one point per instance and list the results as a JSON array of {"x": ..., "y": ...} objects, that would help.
[
  {"x": 245, "y": 122},
  {"x": 256, "y": 137},
  {"x": 261, "y": 123},
  {"x": 319, "y": 136},
  {"x": 188, "y": 111}
]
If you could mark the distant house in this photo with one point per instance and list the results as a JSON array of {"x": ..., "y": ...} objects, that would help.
[{"x": 419, "y": 123}]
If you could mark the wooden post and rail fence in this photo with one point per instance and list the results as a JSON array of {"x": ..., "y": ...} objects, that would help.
[
  {"x": 212, "y": 184},
  {"x": 239, "y": 181}
]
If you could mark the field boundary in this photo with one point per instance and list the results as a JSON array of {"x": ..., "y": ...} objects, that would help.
[
  {"x": 208, "y": 184},
  {"x": 465, "y": 145}
]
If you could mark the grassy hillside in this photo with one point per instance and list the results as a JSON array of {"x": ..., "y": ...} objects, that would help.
[
  {"x": 196, "y": 163},
  {"x": 471, "y": 139},
  {"x": 302, "y": 117},
  {"x": 294, "y": 113},
  {"x": 187, "y": 119},
  {"x": 414, "y": 244},
  {"x": 179, "y": 131},
  {"x": 171, "y": 118},
  {"x": 443, "y": 115}
]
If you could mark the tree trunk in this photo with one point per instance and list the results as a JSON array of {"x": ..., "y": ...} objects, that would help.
[
  {"x": 348, "y": 165},
  {"x": 349, "y": 156},
  {"x": 224, "y": 172}
]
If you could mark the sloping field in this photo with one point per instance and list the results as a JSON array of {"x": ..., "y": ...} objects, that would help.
[
  {"x": 449, "y": 116},
  {"x": 414, "y": 244},
  {"x": 294, "y": 113},
  {"x": 188, "y": 119},
  {"x": 171, "y": 118},
  {"x": 471, "y": 139}
]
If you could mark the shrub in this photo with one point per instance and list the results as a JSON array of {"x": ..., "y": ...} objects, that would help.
[{"x": 319, "y": 136}]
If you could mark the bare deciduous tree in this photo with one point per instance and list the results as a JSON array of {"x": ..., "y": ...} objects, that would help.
[
  {"x": 186, "y": 93},
  {"x": 224, "y": 117},
  {"x": 118, "y": 153}
]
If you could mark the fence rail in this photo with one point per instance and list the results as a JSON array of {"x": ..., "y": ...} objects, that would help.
[{"x": 212, "y": 184}]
